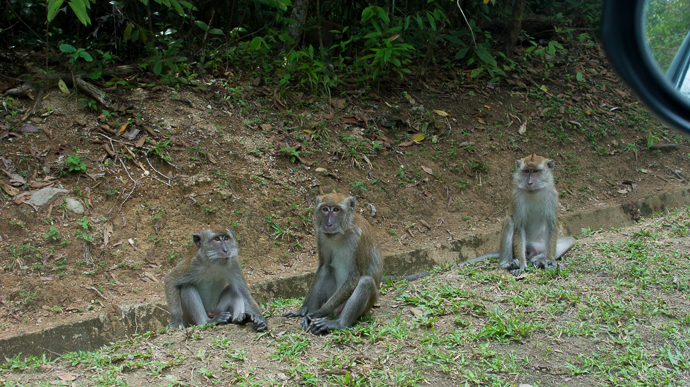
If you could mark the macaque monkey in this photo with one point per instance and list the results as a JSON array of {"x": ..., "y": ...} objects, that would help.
[
  {"x": 350, "y": 267},
  {"x": 530, "y": 233},
  {"x": 311, "y": 36},
  {"x": 209, "y": 287}
]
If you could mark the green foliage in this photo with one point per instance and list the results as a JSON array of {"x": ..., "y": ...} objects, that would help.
[
  {"x": 161, "y": 150},
  {"x": 292, "y": 153},
  {"x": 76, "y": 53},
  {"x": 79, "y": 7},
  {"x": 53, "y": 234},
  {"x": 75, "y": 164},
  {"x": 667, "y": 26},
  {"x": 310, "y": 73},
  {"x": 83, "y": 234},
  {"x": 388, "y": 56}
]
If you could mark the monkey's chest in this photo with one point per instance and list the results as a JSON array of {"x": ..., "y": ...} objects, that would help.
[
  {"x": 341, "y": 262},
  {"x": 210, "y": 291}
]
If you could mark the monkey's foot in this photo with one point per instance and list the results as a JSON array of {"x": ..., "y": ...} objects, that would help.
[
  {"x": 304, "y": 324},
  {"x": 514, "y": 268},
  {"x": 239, "y": 318},
  {"x": 516, "y": 272},
  {"x": 545, "y": 264},
  {"x": 324, "y": 325},
  {"x": 221, "y": 318}
]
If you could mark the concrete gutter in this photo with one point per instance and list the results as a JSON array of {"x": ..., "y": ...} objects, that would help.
[{"x": 121, "y": 321}]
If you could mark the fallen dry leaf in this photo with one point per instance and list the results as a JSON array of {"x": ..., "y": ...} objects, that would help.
[
  {"x": 523, "y": 128},
  {"x": 67, "y": 376},
  {"x": 441, "y": 113},
  {"x": 9, "y": 189},
  {"x": 150, "y": 275},
  {"x": 406, "y": 143},
  {"x": 427, "y": 170},
  {"x": 418, "y": 137},
  {"x": 265, "y": 126},
  {"x": 416, "y": 311}
]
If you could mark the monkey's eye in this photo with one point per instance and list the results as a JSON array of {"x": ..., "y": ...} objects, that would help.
[{"x": 336, "y": 209}]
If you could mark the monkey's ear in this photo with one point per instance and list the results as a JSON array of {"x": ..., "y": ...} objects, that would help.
[
  {"x": 197, "y": 239},
  {"x": 518, "y": 164},
  {"x": 318, "y": 200},
  {"x": 550, "y": 163},
  {"x": 351, "y": 202}
]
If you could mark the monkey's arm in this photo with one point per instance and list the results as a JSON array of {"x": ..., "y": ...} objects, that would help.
[
  {"x": 172, "y": 299},
  {"x": 319, "y": 278},
  {"x": 339, "y": 297}
]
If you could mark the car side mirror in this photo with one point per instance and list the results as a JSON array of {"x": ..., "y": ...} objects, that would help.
[{"x": 627, "y": 45}]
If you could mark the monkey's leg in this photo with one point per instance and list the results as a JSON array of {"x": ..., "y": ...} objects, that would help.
[
  {"x": 242, "y": 307},
  {"x": 518, "y": 265},
  {"x": 231, "y": 305},
  {"x": 360, "y": 302},
  {"x": 512, "y": 249},
  {"x": 194, "y": 307}
]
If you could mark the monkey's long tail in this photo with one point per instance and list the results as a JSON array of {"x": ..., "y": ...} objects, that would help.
[
  {"x": 412, "y": 277},
  {"x": 478, "y": 259}
]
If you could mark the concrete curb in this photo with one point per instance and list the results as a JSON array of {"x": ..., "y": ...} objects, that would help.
[{"x": 120, "y": 321}]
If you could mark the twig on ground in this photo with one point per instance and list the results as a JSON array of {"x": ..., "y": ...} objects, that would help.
[
  {"x": 169, "y": 179},
  {"x": 130, "y": 192}
]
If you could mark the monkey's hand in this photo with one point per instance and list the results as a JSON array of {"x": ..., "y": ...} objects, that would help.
[
  {"x": 306, "y": 321},
  {"x": 324, "y": 325},
  {"x": 221, "y": 318},
  {"x": 260, "y": 323},
  {"x": 298, "y": 313}
]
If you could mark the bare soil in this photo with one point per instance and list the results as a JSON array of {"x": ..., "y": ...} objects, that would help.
[{"x": 254, "y": 162}]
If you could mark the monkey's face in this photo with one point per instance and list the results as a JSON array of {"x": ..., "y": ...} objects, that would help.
[
  {"x": 533, "y": 173},
  {"x": 219, "y": 245},
  {"x": 330, "y": 219},
  {"x": 333, "y": 213}
]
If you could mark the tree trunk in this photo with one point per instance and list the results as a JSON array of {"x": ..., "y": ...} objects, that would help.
[
  {"x": 514, "y": 30},
  {"x": 299, "y": 15}
]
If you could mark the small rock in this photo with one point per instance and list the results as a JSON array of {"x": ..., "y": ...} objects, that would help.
[
  {"x": 225, "y": 194},
  {"x": 44, "y": 196},
  {"x": 321, "y": 170},
  {"x": 74, "y": 206}
]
